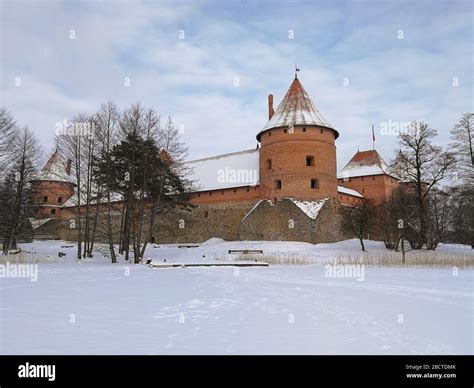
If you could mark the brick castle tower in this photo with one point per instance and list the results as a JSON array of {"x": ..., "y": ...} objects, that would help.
[
  {"x": 298, "y": 151},
  {"x": 51, "y": 188}
]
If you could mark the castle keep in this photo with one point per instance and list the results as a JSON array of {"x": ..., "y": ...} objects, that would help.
[{"x": 287, "y": 188}]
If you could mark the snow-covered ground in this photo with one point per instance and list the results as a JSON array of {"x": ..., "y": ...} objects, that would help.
[{"x": 94, "y": 307}]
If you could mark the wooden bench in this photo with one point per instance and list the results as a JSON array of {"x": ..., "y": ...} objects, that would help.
[
  {"x": 246, "y": 251},
  {"x": 186, "y": 265}
]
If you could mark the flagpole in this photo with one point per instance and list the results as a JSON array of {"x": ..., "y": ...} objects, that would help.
[{"x": 373, "y": 137}]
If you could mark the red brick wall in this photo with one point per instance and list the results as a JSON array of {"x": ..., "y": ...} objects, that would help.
[
  {"x": 376, "y": 187},
  {"x": 288, "y": 152},
  {"x": 55, "y": 193},
  {"x": 348, "y": 199}
]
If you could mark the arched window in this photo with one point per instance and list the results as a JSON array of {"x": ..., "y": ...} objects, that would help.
[
  {"x": 310, "y": 160},
  {"x": 314, "y": 183}
]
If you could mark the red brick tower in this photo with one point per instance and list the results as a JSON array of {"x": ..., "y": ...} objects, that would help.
[
  {"x": 298, "y": 150},
  {"x": 52, "y": 188}
]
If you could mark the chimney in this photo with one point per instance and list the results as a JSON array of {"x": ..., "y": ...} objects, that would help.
[
  {"x": 270, "y": 106},
  {"x": 68, "y": 167}
]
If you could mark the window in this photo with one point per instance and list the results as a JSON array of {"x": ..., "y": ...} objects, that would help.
[
  {"x": 60, "y": 199},
  {"x": 269, "y": 134},
  {"x": 362, "y": 179},
  {"x": 45, "y": 199},
  {"x": 235, "y": 191},
  {"x": 310, "y": 160},
  {"x": 373, "y": 178},
  {"x": 304, "y": 129},
  {"x": 314, "y": 183},
  {"x": 286, "y": 130},
  {"x": 199, "y": 195},
  {"x": 278, "y": 184},
  {"x": 269, "y": 164},
  {"x": 248, "y": 189},
  {"x": 53, "y": 211},
  {"x": 210, "y": 193},
  {"x": 363, "y": 191},
  {"x": 322, "y": 130},
  {"x": 222, "y": 192}
]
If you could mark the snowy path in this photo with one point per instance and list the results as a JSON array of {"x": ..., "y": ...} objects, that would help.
[{"x": 99, "y": 308}]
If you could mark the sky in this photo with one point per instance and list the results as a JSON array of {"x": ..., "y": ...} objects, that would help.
[{"x": 210, "y": 65}]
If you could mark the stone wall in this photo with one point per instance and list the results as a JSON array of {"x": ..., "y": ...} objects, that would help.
[
  {"x": 267, "y": 221},
  {"x": 283, "y": 220}
]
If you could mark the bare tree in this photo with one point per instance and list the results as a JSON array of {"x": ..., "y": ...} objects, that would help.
[
  {"x": 357, "y": 220},
  {"x": 8, "y": 131},
  {"x": 422, "y": 165},
  {"x": 15, "y": 193},
  {"x": 462, "y": 136},
  {"x": 73, "y": 142},
  {"x": 106, "y": 126},
  {"x": 440, "y": 218}
]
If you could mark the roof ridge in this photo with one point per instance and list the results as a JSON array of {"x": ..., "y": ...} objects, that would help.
[{"x": 221, "y": 155}]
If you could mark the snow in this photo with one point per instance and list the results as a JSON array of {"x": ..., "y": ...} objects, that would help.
[
  {"x": 54, "y": 170},
  {"x": 365, "y": 163},
  {"x": 310, "y": 208},
  {"x": 94, "y": 307},
  {"x": 296, "y": 108},
  {"x": 345, "y": 190},
  {"x": 223, "y": 171},
  {"x": 36, "y": 223},
  {"x": 255, "y": 206},
  {"x": 356, "y": 171}
]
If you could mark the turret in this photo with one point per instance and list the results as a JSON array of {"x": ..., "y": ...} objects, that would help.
[
  {"x": 51, "y": 188},
  {"x": 298, "y": 151}
]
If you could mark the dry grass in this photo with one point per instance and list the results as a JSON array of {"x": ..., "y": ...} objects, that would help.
[
  {"x": 430, "y": 259},
  {"x": 28, "y": 258},
  {"x": 412, "y": 259}
]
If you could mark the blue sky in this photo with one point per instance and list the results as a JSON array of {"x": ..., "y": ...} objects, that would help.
[{"x": 353, "y": 64}]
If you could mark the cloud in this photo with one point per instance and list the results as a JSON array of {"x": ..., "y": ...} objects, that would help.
[{"x": 194, "y": 79}]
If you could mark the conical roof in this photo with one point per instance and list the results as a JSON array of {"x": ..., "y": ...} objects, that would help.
[
  {"x": 296, "y": 108},
  {"x": 55, "y": 170},
  {"x": 365, "y": 163}
]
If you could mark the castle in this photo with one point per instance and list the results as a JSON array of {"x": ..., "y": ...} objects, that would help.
[{"x": 287, "y": 188}]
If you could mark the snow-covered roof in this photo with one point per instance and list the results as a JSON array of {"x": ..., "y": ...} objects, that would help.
[
  {"x": 224, "y": 171},
  {"x": 71, "y": 202},
  {"x": 345, "y": 190},
  {"x": 365, "y": 163},
  {"x": 36, "y": 223},
  {"x": 55, "y": 170},
  {"x": 296, "y": 108},
  {"x": 310, "y": 208}
]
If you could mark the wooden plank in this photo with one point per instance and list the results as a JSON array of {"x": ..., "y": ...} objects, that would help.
[
  {"x": 186, "y": 265},
  {"x": 245, "y": 251}
]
